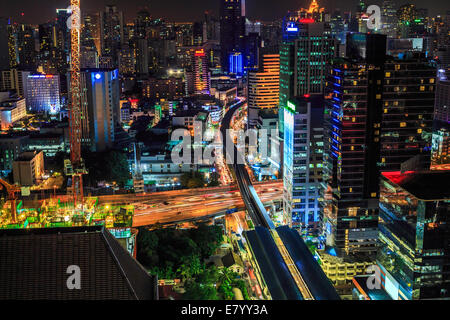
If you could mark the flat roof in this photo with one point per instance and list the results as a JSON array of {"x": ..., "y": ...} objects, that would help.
[{"x": 425, "y": 185}]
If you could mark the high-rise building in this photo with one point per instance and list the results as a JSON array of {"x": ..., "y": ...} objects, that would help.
[
  {"x": 302, "y": 168},
  {"x": 14, "y": 79},
  {"x": 26, "y": 47},
  {"x": 90, "y": 36},
  {"x": 353, "y": 107},
  {"x": 43, "y": 94},
  {"x": 303, "y": 59},
  {"x": 232, "y": 29},
  {"x": 202, "y": 78},
  {"x": 442, "y": 103},
  {"x": 100, "y": 107},
  {"x": 264, "y": 86},
  {"x": 111, "y": 32},
  {"x": 408, "y": 107},
  {"x": 389, "y": 19},
  {"x": 4, "y": 41},
  {"x": 414, "y": 253},
  {"x": 142, "y": 56}
]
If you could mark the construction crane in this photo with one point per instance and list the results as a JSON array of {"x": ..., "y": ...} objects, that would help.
[
  {"x": 75, "y": 167},
  {"x": 11, "y": 190}
]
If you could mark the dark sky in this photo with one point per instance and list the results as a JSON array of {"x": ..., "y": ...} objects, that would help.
[{"x": 39, "y": 11}]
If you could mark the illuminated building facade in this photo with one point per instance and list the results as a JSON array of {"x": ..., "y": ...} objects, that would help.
[
  {"x": 232, "y": 29},
  {"x": 408, "y": 107},
  {"x": 414, "y": 256},
  {"x": 202, "y": 78},
  {"x": 100, "y": 106},
  {"x": 168, "y": 89},
  {"x": 442, "y": 103},
  {"x": 441, "y": 147},
  {"x": 303, "y": 56},
  {"x": 264, "y": 86},
  {"x": 353, "y": 104},
  {"x": 389, "y": 19},
  {"x": 302, "y": 167},
  {"x": 43, "y": 94},
  {"x": 11, "y": 111}
]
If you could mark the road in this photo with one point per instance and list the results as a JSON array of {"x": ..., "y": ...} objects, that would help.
[{"x": 182, "y": 205}]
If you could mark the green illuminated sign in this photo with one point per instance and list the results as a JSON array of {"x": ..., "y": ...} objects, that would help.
[{"x": 291, "y": 107}]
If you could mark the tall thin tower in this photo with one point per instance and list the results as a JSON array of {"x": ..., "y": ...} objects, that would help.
[{"x": 77, "y": 165}]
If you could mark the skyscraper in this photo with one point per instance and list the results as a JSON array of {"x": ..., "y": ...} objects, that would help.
[
  {"x": 264, "y": 86},
  {"x": 111, "y": 32},
  {"x": 100, "y": 107},
  {"x": 303, "y": 155},
  {"x": 353, "y": 104},
  {"x": 302, "y": 60},
  {"x": 389, "y": 19},
  {"x": 202, "y": 79},
  {"x": 232, "y": 29},
  {"x": 408, "y": 111},
  {"x": 414, "y": 251},
  {"x": 26, "y": 47}
]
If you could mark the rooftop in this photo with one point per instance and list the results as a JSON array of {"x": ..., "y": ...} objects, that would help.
[
  {"x": 34, "y": 266},
  {"x": 427, "y": 185}
]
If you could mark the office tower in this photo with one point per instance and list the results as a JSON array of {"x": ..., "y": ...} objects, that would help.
[
  {"x": 26, "y": 47},
  {"x": 90, "y": 36},
  {"x": 232, "y": 29},
  {"x": 12, "y": 46},
  {"x": 212, "y": 25},
  {"x": 353, "y": 109},
  {"x": 406, "y": 17},
  {"x": 14, "y": 79},
  {"x": 389, "y": 19},
  {"x": 168, "y": 89},
  {"x": 302, "y": 168},
  {"x": 251, "y": 48},
  {"x": 414, "y": 253},
  {"x": 43, "y": 94},
  {"x": 89, "y": 58},
  {"x": 142, "y": 56},
  {"x": 127, "y": 60},
  {"x": 408, "y": 107},
  {"x": 442, "y": 102},
  {"x": 4, "y": 40},
  {"x": 100, "y": 103},
  {"x": 111, "y": 32},
  {"x": 302, "y": 60},
  {"x": 338, "y": 26},
  {"x": 263, "y": 86},
  {"x": 202, "y": 78},
  {"x": 197, "y": 34},
  {"x": 62, "y": 34}
]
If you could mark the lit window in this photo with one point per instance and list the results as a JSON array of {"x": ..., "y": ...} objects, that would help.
[
  {"x": 422, "y": 88},
  {"x": 388, "y": 74},
  {"x": 373, "y": 194},
  {"x": 402, "y": 124}
]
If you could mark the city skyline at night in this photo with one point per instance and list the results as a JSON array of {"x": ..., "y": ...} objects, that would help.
[{"x": 225, "y": 150}]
